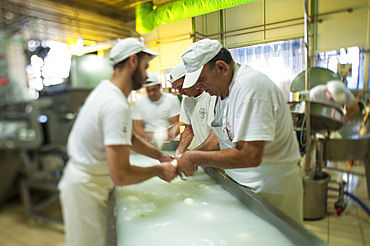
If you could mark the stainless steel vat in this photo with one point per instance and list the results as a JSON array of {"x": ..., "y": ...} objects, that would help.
[
  {"x": 315, "y": 196},
  {"x": 318, "y": 76},
  {"x": 323, "y": 116},
  {"x": 354, "y": 144}
]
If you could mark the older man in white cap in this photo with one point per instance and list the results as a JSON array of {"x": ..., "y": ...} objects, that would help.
[
  {"x": 99, "y": 148},
  {"x": 253, "y": 125},
  {"x": 335, "y": 93},
  {"x": 156, "y": 115},
  {"x": 194, "y": 112}
]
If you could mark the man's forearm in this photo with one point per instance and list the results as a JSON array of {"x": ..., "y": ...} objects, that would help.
[
  {"x": 245, "y": 154},
  {"x": 352, "y": 113},
  {"x": 140, "y": 146},
  {"x": 210, "y": 144},
  {"x": 185, "y": 140}
]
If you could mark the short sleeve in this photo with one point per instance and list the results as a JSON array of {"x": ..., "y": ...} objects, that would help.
[
  {"x": 117, "y": 123},
  {"x": 254, "y": 121},
  {"x": 184, "y": 115}
]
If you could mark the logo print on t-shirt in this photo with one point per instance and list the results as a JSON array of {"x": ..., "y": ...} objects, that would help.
[
  {"x": 228, "y": 130},
  {"x": 124, "y": 127},
  {"x": 202, "y": 112}
]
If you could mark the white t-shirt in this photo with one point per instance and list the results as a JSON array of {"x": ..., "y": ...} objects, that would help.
[
  {"x": 104, "y": 119},
  {"x": 257, "y": 111},
  {"x": 194, "y": 112},
  {"x": 157, "y": 114},
  {"x": 317, "y": 94}
]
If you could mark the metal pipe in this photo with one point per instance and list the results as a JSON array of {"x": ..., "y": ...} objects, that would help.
[
  {"x": 309, "y": 172},
  {"x": 264, "y": 19},
  {"x": 222, "y": 27},
  {"x": 260, "y": 26},
  {"x": 314, "y": 10},
  {"x": 366, "y": 69},
  {"x": 313, "y": 19},
  {"x": 245, "y": 33}
]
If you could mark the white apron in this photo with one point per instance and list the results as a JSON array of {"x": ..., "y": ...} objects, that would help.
[
  {"x": 84, "y": 191},
  {"x": 279, "y": 184}
]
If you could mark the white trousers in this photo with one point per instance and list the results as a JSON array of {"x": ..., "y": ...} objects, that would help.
[{"x": 84, "y": 194}]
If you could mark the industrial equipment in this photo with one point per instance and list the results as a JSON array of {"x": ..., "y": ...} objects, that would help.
[
  {"x": 352, "y": 143},
  {"x": 20, "y": 132},
  {"x": 36, "y": 133}
]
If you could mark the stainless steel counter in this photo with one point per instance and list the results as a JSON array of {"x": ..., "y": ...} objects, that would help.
[{"x": 293, "y": 231}]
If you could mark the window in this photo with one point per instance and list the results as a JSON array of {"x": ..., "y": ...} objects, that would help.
[
  {"x": 49, "y": 64},
  {"x": 282, "y": 61},
  {"x": 353, "y": 55}
]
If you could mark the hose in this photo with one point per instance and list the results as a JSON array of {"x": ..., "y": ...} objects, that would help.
[{"x": 358, "y": 201}]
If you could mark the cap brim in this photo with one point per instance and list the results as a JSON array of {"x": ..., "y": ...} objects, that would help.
[
  {"x": 177, "y": 77},
  {"x": 340, "y": 98},
  {"x": 151, "y": 52},
  {"x": 191, "y": 78},
  {"x": 147, "y": 84}
]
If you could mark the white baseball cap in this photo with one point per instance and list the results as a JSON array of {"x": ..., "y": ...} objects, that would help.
[
  {"x": 152, "y": 80},
  {"x": 337, "y": 89},
  {"x": 177, "y": 72},
  {"x": 196, "y": 56},
  {"x": 127, "y": 47}
]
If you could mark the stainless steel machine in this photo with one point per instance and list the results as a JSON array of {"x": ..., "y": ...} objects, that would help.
[
  {"x": 352, "y": 144},
  {"x": 33, "y": 138},
  {"x": 20, "y": 131}
]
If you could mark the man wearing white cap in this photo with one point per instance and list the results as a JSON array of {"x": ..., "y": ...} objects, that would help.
[
  {"x": 99, "y": 148},
  {"x": 156, "y": 115},
  {"x": 335, "y": 93},
  {"x": 194, "y": 111},
  {"x": 253, "y": 125}
]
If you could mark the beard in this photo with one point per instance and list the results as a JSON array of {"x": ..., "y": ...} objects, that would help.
[{"x": 137, "y": 79}]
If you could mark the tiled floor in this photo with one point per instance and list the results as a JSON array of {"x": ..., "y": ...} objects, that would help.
[
  {"x": 16, "y": 229},
  {"x": 352, "y": 227}
]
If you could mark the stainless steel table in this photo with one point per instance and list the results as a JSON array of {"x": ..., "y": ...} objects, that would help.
[{"x": 294, "y": 232}]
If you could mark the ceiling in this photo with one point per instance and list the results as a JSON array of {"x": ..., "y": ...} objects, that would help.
[{"x": 63, "y": 20}]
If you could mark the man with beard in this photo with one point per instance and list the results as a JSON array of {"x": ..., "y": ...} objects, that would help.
[
  {"x": 99, "y": 148},
  {"x": 156, "y": 115}
]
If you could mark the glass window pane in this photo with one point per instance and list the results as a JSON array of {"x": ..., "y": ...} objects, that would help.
[{"x": 282, "y": 61}]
